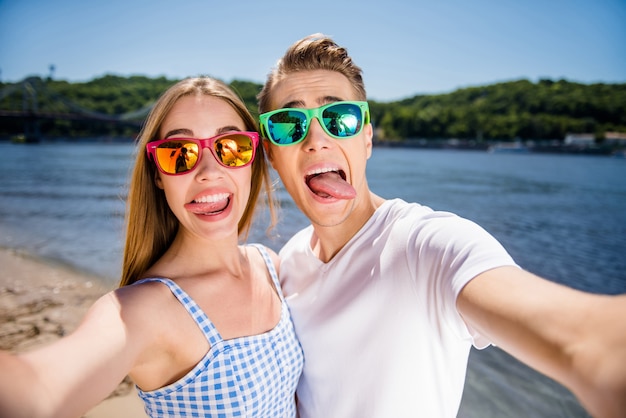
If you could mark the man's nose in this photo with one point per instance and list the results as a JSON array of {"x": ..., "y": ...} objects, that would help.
[{"x": 316, "y": 137}]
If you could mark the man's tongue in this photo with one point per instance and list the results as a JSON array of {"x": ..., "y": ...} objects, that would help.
[{"x": 331, "y": 185}]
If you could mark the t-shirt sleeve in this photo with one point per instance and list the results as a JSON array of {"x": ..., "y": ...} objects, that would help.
[{"x": 446, "y": 252}]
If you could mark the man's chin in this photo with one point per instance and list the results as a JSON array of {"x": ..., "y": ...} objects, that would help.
[{"x": 329, "y": 212}]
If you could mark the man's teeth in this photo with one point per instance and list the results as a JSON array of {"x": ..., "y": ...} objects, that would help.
[
  {"x": 212, "y": 198},
  {"x": 320, "y": 171}
]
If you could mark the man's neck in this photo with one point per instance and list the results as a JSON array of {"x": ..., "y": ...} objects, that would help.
[{"x": 327, "y": 241}]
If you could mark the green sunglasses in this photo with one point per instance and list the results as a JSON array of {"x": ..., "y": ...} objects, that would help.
[{"x": 290, "y": 126}]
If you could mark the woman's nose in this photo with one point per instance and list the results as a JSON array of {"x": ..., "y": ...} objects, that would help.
[{"x": 208, "y": 167}]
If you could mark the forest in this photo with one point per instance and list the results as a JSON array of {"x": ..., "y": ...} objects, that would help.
[{"x": 507, "y": 111}]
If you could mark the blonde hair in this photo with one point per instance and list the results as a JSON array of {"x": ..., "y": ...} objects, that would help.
[
  {"x": 314, "y": 52},
  {"x": 150, "y": 224}
]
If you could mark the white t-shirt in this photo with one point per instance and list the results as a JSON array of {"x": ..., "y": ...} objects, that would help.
[{"x": 378, "y": 323}]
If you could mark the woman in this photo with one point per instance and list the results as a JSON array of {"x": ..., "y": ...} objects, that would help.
[{"x": 199, "y": 322}]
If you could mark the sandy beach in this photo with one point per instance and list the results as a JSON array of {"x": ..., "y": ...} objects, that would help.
[{"x": 40, "y": 301}]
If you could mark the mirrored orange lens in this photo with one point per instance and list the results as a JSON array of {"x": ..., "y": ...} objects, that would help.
[
  {"x": 234, "y": 150},
  {"x": 177, "y": 156}
]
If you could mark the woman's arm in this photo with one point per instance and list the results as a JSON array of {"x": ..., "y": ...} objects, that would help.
[
  {"x": 576, "y": 338},
  {"x": 73, "y": 374}
]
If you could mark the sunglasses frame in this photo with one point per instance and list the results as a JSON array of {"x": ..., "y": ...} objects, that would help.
[
  {"x": 151, "y": 149},
  {"x": 310, "y": 114}
]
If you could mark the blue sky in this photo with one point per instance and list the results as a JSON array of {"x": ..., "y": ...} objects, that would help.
[{"x": 404, "y": 47}]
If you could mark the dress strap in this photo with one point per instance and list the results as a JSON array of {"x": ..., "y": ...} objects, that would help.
[
  {"x": 198, "y": 315},
  {"x": 270, "y": 268}
]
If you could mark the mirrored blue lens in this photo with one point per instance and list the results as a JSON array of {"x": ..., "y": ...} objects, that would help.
[
  {"x": 342, "y": 120},
  {"x": 287, "y": 127}
]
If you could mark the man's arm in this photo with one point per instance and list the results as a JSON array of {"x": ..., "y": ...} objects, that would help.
[{"x": 576, "y": 338}]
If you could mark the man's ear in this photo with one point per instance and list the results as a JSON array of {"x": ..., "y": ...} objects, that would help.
[{"x": 368, "y": 130}]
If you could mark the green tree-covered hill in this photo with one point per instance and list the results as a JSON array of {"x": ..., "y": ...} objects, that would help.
[
  {"x": 504, "y": 111},
  {"x": 517, "y": 109}
]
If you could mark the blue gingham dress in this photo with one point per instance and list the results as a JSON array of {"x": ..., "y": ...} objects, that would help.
[{"x": 253, "y": 376}]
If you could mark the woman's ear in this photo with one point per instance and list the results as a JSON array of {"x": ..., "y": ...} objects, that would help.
[{"x": 157, "y": 179}]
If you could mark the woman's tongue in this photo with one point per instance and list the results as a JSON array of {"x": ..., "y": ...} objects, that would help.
[
  {"x": 209, "y": 207},
  {"x": 331, "y": 184}
]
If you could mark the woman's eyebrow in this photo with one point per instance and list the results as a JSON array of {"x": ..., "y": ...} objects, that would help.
[
  {"x": 228, "y": 128},
  {"x": 178, "y": 132},
  {"x": 189, "y": 132}
]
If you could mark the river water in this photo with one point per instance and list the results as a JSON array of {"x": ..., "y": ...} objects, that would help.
[{"x": 562, "y": 217}]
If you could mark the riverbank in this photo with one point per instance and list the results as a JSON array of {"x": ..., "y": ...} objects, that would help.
[
  {"x": 42, "y": 300},
  {"x": 536, "y": 147}
]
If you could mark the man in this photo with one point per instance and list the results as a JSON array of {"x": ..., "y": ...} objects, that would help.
[{"x": 388, "y": 297}]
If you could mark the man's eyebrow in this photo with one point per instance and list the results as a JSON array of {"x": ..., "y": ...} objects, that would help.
[
  {"x": 293, "y": 103},
  {"x": 329, "y": 99},
  {"x": 321, "y": 102}
]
